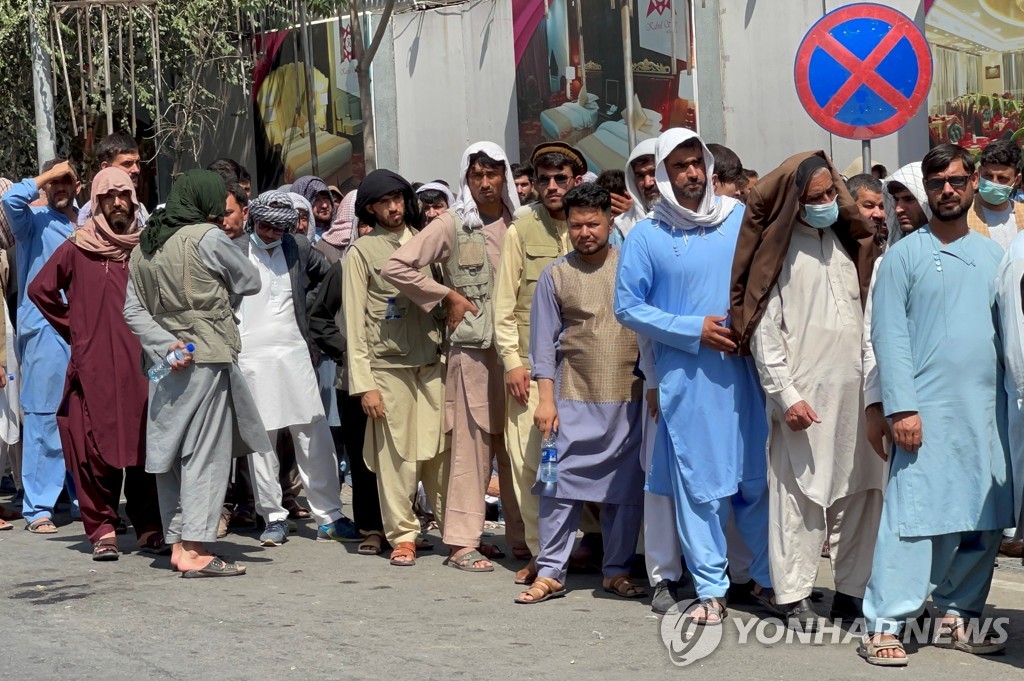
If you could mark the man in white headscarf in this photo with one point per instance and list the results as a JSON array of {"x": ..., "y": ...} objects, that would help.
[
  {"x": 673, "y": 288},
  {"x": 466, "y": 242},
  {"x": 641, "y": 185}
]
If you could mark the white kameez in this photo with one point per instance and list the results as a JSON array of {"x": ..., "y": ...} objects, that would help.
[{"x": 274, "y": 358}]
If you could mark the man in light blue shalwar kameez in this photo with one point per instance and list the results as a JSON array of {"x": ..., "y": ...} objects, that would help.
[
  {"x": 44, "y": 355},
  {"x": 936, "y": 336},
  {"x": 673, "y": 287}
]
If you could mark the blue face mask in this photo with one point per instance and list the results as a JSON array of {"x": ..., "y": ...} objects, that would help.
[
  {"x": 820, "y": 216},
  {"x": 995, "y": 194},
  {"x": 261, "y": 244}
]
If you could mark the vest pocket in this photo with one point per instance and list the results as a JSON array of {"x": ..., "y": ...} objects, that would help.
[
  {"x": 387, "y": 337},
  {"x": 536, "y": 258}
]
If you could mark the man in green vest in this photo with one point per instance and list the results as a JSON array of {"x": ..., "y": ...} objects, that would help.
[
  {"x": 184, "y": 273},
  {"x": 466, "y": 242},
  {"x": 537, "y": 237}
]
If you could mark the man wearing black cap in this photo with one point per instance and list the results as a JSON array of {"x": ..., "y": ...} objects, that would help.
[
  {"x": 536, "y": 238},
  {"x": 394, "y": 363}
]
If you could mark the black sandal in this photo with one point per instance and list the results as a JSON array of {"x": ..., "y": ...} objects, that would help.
[{"x": 105, "y": 550}]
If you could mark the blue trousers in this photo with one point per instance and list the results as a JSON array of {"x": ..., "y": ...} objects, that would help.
[
  {"x": 42, "y": 466},
  {"x": 954, "y": 569},
  {"x": 701, "y": 528}
]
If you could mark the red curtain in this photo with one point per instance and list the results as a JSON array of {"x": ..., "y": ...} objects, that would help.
[{"x": 526, "y": 16}]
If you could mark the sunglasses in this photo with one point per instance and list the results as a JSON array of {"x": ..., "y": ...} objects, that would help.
[
  {"x": 937, "y": 184},
  {"x": 561, "y": 179}
]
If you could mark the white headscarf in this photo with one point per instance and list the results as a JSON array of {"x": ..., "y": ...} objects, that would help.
[
  {"x": 438, "y": 187},
  {"x": 639, "y": 210},
  {"x": 466, "y": 206},
  {"x": 713, "y": 210},
  {"x": 300, "y": 202},
  {"x": 911, "y": 177}
]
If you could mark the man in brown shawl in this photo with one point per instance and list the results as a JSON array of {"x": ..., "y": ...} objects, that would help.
[{"x": 803, "y": 262}]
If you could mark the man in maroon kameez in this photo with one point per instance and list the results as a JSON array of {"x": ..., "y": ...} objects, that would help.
[{"x": 102, "y": 416}]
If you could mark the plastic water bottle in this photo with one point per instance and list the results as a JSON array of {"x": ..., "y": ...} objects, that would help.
[
  {"x": 548, "y": 460},
  {"x": 392, "y": 312},
  {"x": 158, "y": 371}
]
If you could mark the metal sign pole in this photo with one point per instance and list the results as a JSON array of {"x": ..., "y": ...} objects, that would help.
[{"x": 865, "y": 152}]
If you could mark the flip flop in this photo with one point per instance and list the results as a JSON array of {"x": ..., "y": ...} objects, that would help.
[
  {"x": 37, "y": 525},
  {"x": 4, "y": 525},
  {"x": 215, "y": 568},
  {"x": 466, "y": 560}
]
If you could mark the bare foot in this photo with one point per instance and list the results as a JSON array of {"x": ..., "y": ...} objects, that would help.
[{"x": 193, "y": 556}]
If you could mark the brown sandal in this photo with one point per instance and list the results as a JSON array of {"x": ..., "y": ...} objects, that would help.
[
  {"x": 624, "y": 587},
  {"x": 105, "y": 549},
  {"x": 42, "y": 526},
  {"x": 404, "y": 550},
  {"x": 542, "y": 589}
]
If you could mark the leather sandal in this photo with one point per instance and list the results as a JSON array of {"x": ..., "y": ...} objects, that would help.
[
  {"x": 105, "y": 549},
  {"x": 869, "y": 651},
  {"x": 711, "y": 606},
  {"x": 405, "y": 550},
  {"x": 371, "y": 544},
  {"x": 958, "y": 634},
  {"x": 465, "y": 562},
  {"x": 542, "y": 589},
  {"x": 624, "y": 587}
]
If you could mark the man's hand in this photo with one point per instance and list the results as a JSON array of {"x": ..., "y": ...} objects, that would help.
[
  {"x": 800, "y": 416},
  {"x": 179, "y": 365},
  {"x": 621, "y": 204},
  {"x": 546, "y": 418},
  {"x": 518, "y": 383},
  {"x": 457, "y": 306},
  {"x": 878, "y": 430},
  {"x": 55, "y": 173},
  {"x": 906, "y": 431},
  {"x": 716, "y": 336},
  {"x": 3, "y": 377},
  {"x": 373, "y": 404},
  {"x": 652, "y": 403}
]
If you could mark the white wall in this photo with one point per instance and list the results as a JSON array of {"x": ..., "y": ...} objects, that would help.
[
  {"x": 764, "y": 122},
  {"x": 454, "y": 84}
]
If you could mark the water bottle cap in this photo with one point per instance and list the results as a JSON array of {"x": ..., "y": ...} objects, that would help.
[
  {"x": 391, "y": 300},
  {"x": 190, "y": 347},
  {"x": 10, "y": 377}
]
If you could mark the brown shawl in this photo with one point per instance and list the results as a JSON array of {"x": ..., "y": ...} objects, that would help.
[{"x": 772, "y": 207}]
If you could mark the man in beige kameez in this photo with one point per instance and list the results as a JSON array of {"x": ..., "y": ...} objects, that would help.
[
  {"x": 466, "y": 243},
  {"x": 394, "y": 363},
  {"x": 537, "y": 237},
  {"x": 824, "y": 480}
]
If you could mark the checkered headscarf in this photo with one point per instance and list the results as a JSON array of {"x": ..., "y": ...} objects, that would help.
[{"x": 274, "y": 207}]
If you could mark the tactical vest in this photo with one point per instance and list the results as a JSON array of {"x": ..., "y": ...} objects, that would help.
[
  {"x": 541, "y": 246},
  {"x": 470, "y": 273},
  {"x": 976, "y": 217},
  {"x": 414, "y": 336},
  {"x": 185, "y": 298}
]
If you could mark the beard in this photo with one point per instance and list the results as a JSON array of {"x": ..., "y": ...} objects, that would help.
[
  {"x": 952, "y": 214},
  {"x": 120, "y": 221},
  {"x": 691, "y": 192},
  {"x": 392, "y": 222}
]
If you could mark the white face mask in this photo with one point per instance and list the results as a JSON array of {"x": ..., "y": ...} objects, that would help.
[
  {"x": 261, "y": 244},
  {"x": 822, "y": 215}
]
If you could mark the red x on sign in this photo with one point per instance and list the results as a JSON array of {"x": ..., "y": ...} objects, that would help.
[{"x": 863, "y": 71}]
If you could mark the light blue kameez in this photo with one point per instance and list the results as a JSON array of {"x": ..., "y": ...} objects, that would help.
[
  {"x": 709, "y": 452},
  {"x": 935, "y": 332}
]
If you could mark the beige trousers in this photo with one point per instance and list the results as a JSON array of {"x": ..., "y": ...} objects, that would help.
[
  {"x": 522, "y": 439},
  {"x": 798, "y": 527},
  {"x": 403, "y": 448}
]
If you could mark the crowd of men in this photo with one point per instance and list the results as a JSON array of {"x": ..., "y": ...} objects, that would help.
[{"x": 740, "y": 373}]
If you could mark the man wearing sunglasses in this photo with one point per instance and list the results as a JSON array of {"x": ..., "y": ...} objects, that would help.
[
  {"x": 938, "y": 345},
  {"x": 536, "y": 238},
  {"x": 995, "y": 215}
]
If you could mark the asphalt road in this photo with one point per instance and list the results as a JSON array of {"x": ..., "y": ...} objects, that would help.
[{"x": 311, "y": 610}]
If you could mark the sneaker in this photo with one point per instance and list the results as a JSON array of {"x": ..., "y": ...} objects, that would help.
[
  {"x": 664, "y": 597},
  {"x": 342, "y": 529},
  {"x": 275, "y": 534}
]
